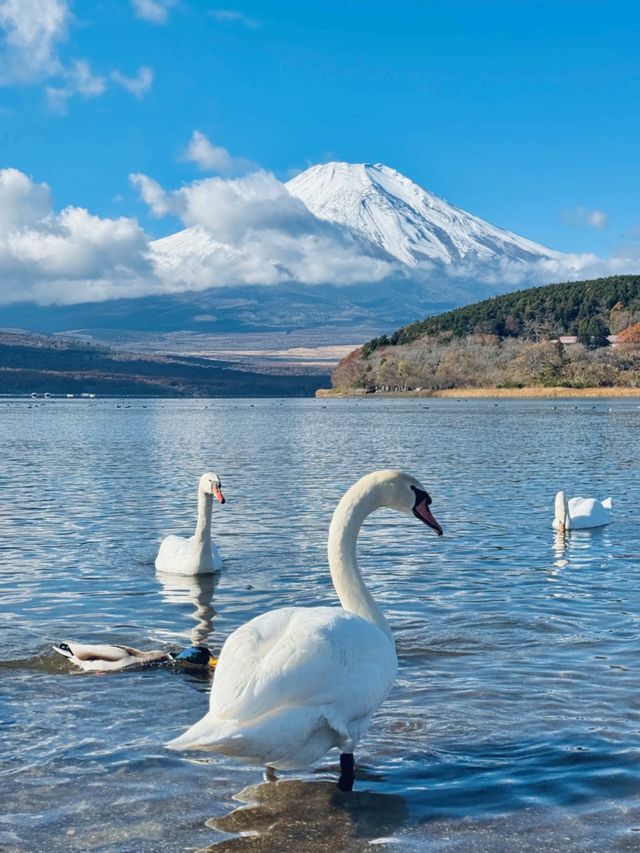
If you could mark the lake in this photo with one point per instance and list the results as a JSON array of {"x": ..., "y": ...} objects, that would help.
[{"x": 514, "y": 723}]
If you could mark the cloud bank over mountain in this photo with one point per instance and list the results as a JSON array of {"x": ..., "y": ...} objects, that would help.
[{"x": 334, "y": 224}]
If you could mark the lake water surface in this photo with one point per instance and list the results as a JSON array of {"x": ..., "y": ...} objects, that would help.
[{"x": 514, "y": 723}]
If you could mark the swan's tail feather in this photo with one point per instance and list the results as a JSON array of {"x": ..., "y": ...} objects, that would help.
[
  {"x": 607, "y": 503},
  {"x": 208, "y": 733},
  {"x": 286, "y": 739}
]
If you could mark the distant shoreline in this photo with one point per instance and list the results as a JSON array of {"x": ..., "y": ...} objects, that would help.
[{"x": 535, "y": 391}]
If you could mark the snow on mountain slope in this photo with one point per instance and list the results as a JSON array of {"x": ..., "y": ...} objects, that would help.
[
  {"x": 190, "y": 244},
  {"x": 345, "y": 224},
  {"x": 407, "y": 221}
]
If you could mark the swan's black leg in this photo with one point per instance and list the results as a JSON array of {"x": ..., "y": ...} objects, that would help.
[{"x": 347, "y": 775}]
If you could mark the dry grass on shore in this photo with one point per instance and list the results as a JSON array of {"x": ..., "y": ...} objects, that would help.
[{"x": 535, "y": 391}]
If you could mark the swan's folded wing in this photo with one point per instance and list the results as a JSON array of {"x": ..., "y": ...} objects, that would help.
[
  {"x": 579, "y": 507},
  {"x": 321, "y": 656},
  {"x": 173, "y": 550}
]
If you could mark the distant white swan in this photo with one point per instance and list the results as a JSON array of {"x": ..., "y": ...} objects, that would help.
[
  {"x": 581, "y": 513},
  {"x": 196, "y": 555},
  {"x": 296, "y": 682}
]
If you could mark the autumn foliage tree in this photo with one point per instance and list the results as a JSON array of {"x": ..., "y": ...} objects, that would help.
[
  {"x": 630, "y": 336},
  {"x": 351, "y": 372}
]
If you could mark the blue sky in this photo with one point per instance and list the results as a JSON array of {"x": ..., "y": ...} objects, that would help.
[{"x": 523, "y": 112}]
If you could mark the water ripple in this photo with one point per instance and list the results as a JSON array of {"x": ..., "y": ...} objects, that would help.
[{"x": 514, "y": 722}]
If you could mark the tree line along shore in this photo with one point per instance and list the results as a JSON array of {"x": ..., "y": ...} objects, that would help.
[{"x": 569, "y": 339}]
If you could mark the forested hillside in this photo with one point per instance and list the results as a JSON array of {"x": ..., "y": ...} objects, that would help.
[
  {"x": 511, "y": 341},
  {"x": 588, "y": 309}
]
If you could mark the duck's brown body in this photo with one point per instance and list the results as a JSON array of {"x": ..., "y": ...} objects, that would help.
[{"x": 104, "y": 658}]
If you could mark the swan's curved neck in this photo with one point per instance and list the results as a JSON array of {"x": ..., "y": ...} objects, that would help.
[
  {"x": 203, "y": 528},
  {"x": 562, "y": 511},
  {"x": 347, "y": 520}
]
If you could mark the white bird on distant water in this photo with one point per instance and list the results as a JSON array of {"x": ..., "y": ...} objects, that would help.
[
  {"x": 196, "y": 555},
  {"x": 295, "y": 682},
  {"x": 581, "y": 513}
]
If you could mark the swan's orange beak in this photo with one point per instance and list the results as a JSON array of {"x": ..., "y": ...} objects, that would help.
[
  {"x": 216, "y": 491},
  {"x": 421, "y": 510}
]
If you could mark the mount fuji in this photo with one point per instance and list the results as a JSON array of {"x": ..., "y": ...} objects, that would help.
[
  {"x": 410, "y": 223},
  {"x": 426, "y": 256}
]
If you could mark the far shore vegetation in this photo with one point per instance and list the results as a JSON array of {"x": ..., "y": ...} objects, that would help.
[{"x": 574, "y": 336}]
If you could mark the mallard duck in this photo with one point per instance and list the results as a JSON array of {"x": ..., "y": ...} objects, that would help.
[{"x": 105, "y": 658}]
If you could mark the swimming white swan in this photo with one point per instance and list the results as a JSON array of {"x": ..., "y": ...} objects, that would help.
[
  {"x": 293, "y": 683},
  {"x": 196, "y": 555},
  {"x": 581, "y": 513}
]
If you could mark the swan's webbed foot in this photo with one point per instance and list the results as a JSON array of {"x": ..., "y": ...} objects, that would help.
[
  {"x": 269, "y": 774},
  {"x": 347, "y": 775}
]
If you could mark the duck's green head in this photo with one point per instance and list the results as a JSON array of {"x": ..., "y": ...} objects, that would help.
[{"x": 195, "y": 656}]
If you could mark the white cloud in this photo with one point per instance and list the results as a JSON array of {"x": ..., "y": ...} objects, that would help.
[
  {"x": 70, "y": 256},
  {"x": 151, "y": 194},
  {"x": 21, "y": 201},
  {"x": 250, "y": 230},
  {"x": 78, "y": 79},
  {"x": 138, "y": 85},
  {"x": 213, "y": 158},
  {"x": 154, "y": 11},
  {"x": 240, "y": 231},
  {"x": 32, "y": 30},
  {"x": 508, "y": 274},
  {"x": 233, "y": 16},
  {"x": 582, "y": 217}
]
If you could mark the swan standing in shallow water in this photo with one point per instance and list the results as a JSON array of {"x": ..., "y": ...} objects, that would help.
[
  {"x": 580, "y": 513},
  {"x": 196, "y": 555},
  {"x": 296, "y": 682}
]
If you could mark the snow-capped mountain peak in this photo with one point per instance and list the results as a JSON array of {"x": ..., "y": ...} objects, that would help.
[{"x": 404, "y": 219}]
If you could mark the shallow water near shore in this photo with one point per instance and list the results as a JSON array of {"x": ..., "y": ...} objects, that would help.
[{"x": 514, "y": 723}]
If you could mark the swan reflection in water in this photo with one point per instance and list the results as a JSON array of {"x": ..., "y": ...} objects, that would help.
[
  {"x": 196, "y": 591},
  {"x": 581, "y": 549},
  {"x": 312, "y": 816},
  {"x": 559, "y": 547}
]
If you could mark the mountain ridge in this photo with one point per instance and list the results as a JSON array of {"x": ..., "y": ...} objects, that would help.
[
  {"x": 438, "y": 257},
  {"x": 411, "y": 223}
]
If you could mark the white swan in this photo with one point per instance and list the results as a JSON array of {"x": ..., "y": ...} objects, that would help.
[
  {"x": 581, "y": 513},
  {"x": 196, "y": 555},
  {"x": 296, "y": 682}
]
